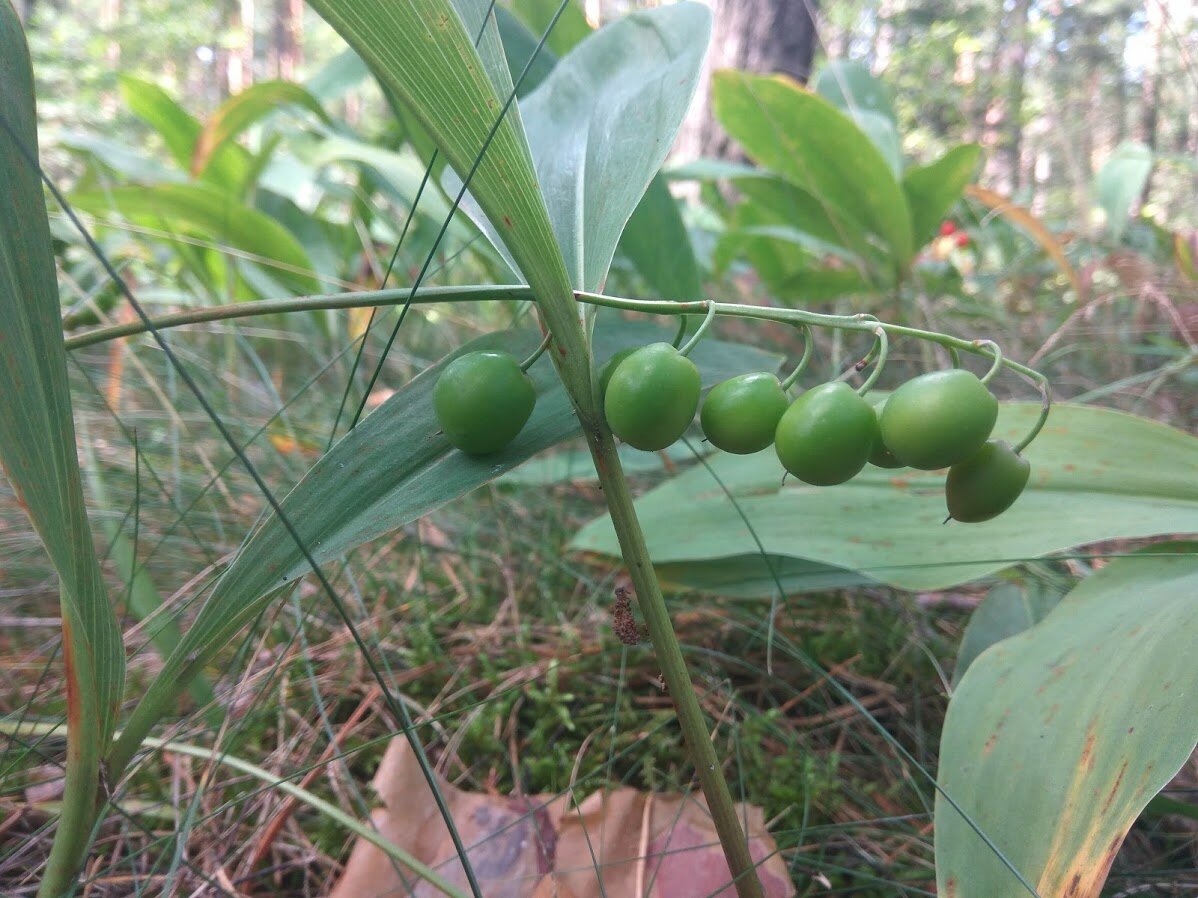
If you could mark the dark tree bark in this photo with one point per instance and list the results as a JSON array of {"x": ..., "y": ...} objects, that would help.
[
  {"x": 763, "y": 36},
  {"x": 287, "y": 38}
]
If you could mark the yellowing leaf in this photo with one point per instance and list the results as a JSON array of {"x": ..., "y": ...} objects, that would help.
[{"x": 1034, "y": 228}]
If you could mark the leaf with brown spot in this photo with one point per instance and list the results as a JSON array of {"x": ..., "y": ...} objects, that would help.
[
  {"x": 1058, "y": 798},
  {"x": 1133, "y": 477}
]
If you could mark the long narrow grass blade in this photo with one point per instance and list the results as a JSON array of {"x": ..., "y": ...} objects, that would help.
[
  {"x": 37, "y": 452},
  {"x": 37, "y": 432},
  {"x": 391, "y": 469}
]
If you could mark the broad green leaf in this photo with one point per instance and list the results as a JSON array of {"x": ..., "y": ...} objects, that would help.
[
  {"x": 821, "y": 283},
  {"x": 784, "y": 260},
  {"x": 1058, "y": 737},
  {"x": 401, "y": 170},
  {"x": 571, "y": 27},
  {"x": 179, "y": 130},
  {"x": 601, "y": 123},
  {"x": 705, "y": 169},
  {"x": 37, "y": 432},
  {"x": 798, "y": 251},
  {"x": 485, "y": 38},
  {"x": 932, "y": 190},
  {"x": 770, "y": 200},
  {"x": 243, "y": 111},
  {"x": 340, "y": 74},
  {"x": 127, "y": 162},
  {"x": 1008, "y": 609},
  {"x": 656, "y": 241},
  {"x": 848, "y": 85},
  {"x": 519, "y": 45},
  {"x": 1120, "y": 182},
  {"x": 391, "y": 469},
  {"x": 423, "y": 52},
  {"x": 881, "y": 130},
  {"x": 153, "y": 105},
  {"x": 1096, "y": 475},
  {"x": 655, "y": 238},
  {"x": 202, "y": 211},
  {"x": 816, "y": 147},
  {"x": 758, "y": 577},
  {"x": 574, "y": 465}
]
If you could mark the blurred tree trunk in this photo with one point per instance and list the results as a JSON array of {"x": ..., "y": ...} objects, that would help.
[
  {"x": 1150, "y": 88},
  {"x": 1013, "y": 114},
  {"x": 235, "y": 69},
  {"x": 287, "y": 38},
  {"x": 764, "y": 36}
]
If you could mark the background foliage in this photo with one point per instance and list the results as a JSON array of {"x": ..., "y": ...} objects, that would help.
[{"x": 244, "y": 154}]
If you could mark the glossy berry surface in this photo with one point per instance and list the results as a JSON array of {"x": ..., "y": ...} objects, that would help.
[
  {"x": 880, "y": 455},
  {"x": 482, "y": 401},
  {"x": 652, "y": 396},
  {"x": 826, "y": 435},
  {"x": 741, "y": 414},
  {"x": 610, "y": 366},
  {"x": 986, "y": 484},
  {"x": 938, "y": 419}
]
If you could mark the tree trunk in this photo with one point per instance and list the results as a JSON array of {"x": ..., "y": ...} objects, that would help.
[
  {"x": 287, "y": 38},
  {"x": 1013, "y": 114},
  {"x": 1150, "y": 91},
  {"x": 763, "y": 36}
]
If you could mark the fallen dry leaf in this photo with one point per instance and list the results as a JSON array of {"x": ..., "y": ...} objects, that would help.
[{"x": 621, "y": 843}]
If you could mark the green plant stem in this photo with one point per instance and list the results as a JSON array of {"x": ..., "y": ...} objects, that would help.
[
  {"x": 708, "y": 308},
  {"x": 81, "y": 788},
  {"x": 808, "y": 346},
  {"x": 673, "y": 667},
  {"x": 694, "y": 341},
  {"x": 537, "y": 353},
  {"x": 880, "y": 349},
  {"x": 800, "y": 317},
  {"x": 997, "y": 366},
  {"x": 318, "y": 303},
  {"x": 430, "y": 295}
]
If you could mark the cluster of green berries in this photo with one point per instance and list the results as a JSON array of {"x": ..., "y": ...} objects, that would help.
[
  {"x": 939, "y": 420},
  {"x": 827, "y": 436}
]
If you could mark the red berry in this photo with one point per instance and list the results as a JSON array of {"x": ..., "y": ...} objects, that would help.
[
  {"x": 962, "y": 239},
  {"x": 948, "y": 229}
]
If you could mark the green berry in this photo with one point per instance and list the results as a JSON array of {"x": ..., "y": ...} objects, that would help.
[
  {"x": 826, "y": 435},
  {"x": 652, "y": 396},
  {"x": 741, "y": 414},
  {"x": 482, "y": 401}
]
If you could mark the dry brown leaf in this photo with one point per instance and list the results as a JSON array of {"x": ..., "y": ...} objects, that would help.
[
  {"x": 657, "y": 846},
  {"x": 510, "y": 840},
  {"x": 640, "y": 845}
]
